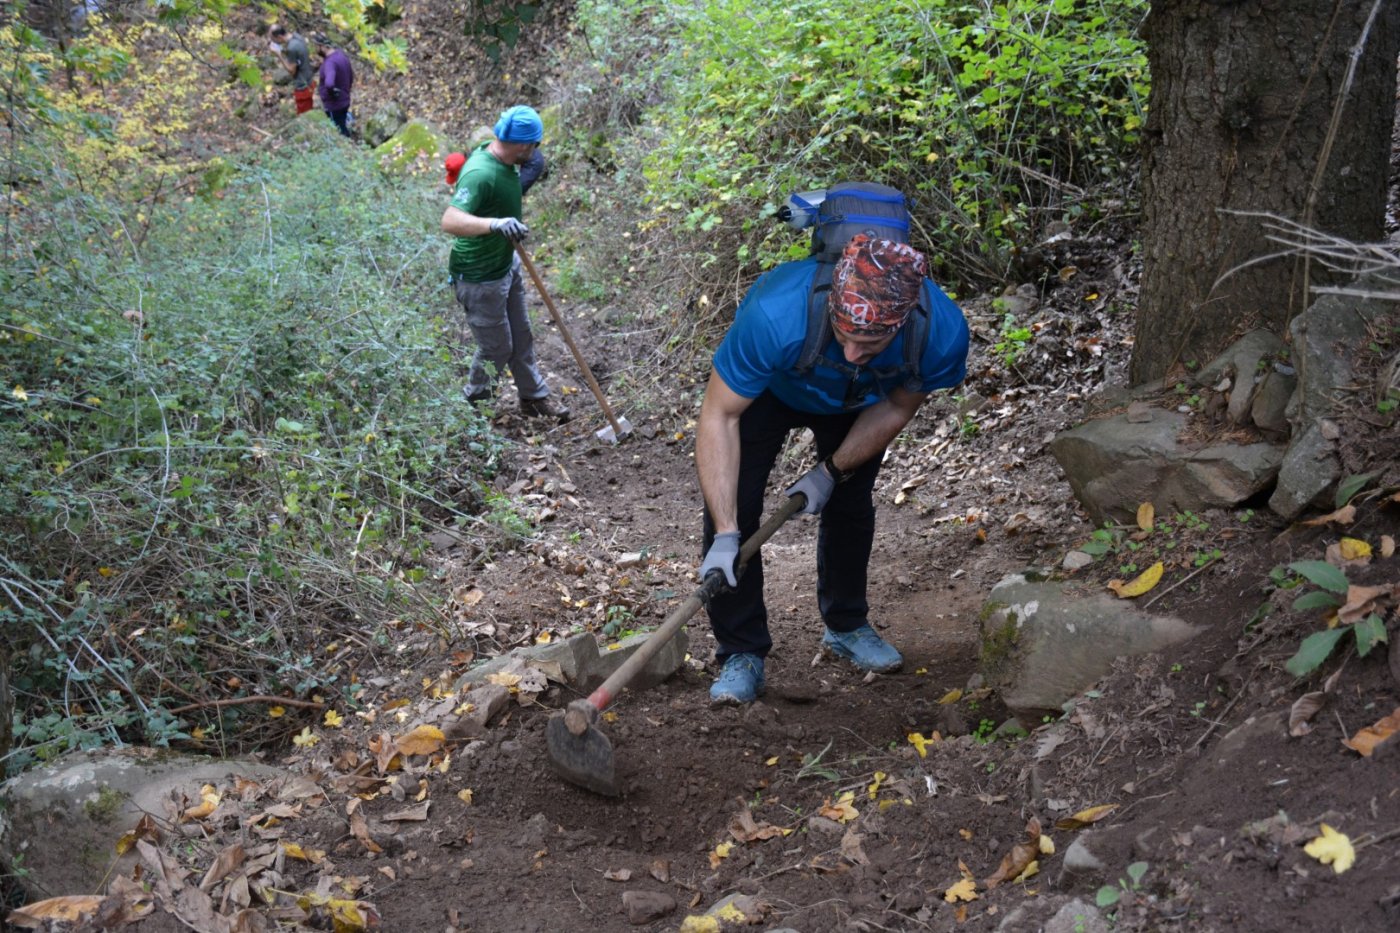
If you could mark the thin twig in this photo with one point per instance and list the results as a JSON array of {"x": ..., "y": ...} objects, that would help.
[
  {"x": 1184, "y": 579},
  {"x": 239, "y": 701}
]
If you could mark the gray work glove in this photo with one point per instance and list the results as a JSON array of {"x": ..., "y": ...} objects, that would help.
[
  {"x": 723, "y": 556},
  {"x": 510, "y": 228},
  {"x": 816, "y": 484}
]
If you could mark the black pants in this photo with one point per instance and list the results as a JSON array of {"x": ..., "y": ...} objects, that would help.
[
  {"x": 338, "y": 117},
  {"x": 739, "y": 618}
]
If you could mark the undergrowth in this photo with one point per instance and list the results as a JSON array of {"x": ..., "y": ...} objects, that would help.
[
  {"x": 994, "y": 119},
  {"x": 222, "y": 447}
]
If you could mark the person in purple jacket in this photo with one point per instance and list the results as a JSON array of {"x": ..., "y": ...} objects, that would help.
[{"x": 336, "y": 78}]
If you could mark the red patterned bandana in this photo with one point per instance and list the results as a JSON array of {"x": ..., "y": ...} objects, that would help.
[{"x": 875, "y": 285}]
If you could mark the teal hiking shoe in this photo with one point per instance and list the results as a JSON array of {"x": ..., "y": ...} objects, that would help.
[
  {"x": 740, "y": 681},
  {"x": 863, "y": 648}
]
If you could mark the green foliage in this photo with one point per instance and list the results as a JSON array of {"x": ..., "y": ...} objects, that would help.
[
  {"x": 221, "y": 447},
  {"x": 1014, "y": 340},
  {"x": 497, "y": 24},
  {"x": 966, "y": 107},
  {"x": 1109, "y": 895},
  {"x": 1350, "y": 486},
  {"x": 1317, "y": 647}
]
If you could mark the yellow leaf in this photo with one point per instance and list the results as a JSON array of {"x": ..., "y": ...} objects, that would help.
[
  {"x": 920, "y": 743},
  {"x": 1354, "y": 549},
  {"x": 720, "y": 853},
  {"x": 966, "y": 834},
  {"x": 465, "y": 795},
  {"x": 421, "y": 741},
  {"x": 771, "y": 761},
  {"x": 1146, "y": 516},
  {"x": 610, "y": 716},
  {"x": 874, "y": 789},
  {"x": 841, "y": 811},
  {"x": 1086, "y": 817},
  {"x": 1332, "y": 848},
  {"x": 304, "y": 738},
  {"x": 1030, "y": 871},
  {"x": 313, "y": 856},
  {"x": 105, "y": 571},
  {"x": 1144, "y": 582},
  {"x": 952, "y": 696},
  {"x": 276, "y": 712},
  {"x": 334, "y": 719},
  {"x": 19, "y": 393},
  {"x": 700, "y": 924},
  {"x": 964, "y": 890},
  {"x": 208, "y": 800},
  {"x": 543, "y": 638}
]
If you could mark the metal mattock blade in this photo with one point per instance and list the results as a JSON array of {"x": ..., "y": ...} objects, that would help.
[{"x": 586, "y": 760}]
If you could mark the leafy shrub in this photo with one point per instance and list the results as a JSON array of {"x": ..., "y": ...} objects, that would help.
[
  {"x": 221, "y": 449},
  {"x": 991, "y": 117}
]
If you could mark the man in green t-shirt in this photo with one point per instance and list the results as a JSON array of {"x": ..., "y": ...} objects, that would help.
[{"x": 484, "y": 216}]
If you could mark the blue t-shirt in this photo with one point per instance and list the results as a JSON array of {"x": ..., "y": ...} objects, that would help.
[{"x": 763, "y": 345}]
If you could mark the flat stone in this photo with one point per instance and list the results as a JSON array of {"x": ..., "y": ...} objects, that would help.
[
  {"x": 1080, "y": 866},
  {"x": 669, "y": 659},
  {"x": 1077, "y": 917},
  {"x": 645, "y": 907},
  {"x": 574, "y": 655},
  {"x": 61, "y": 821}
]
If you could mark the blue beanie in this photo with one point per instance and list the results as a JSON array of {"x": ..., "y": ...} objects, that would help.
[{"x": 519, "y": 124}]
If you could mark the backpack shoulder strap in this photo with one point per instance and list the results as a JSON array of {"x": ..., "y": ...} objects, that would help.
[
  {"x": 915, "y": 337},
  {"x": 818, "y": 333}
]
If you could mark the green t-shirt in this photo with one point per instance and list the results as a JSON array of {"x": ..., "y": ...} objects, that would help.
[{"x": 487, "y": 187}]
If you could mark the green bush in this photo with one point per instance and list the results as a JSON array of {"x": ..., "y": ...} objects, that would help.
[
  {"x": 222, "y": 444},
  {"x": 993, "y": 117}
]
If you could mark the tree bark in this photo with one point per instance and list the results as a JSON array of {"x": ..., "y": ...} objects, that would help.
[{"x": 1239, "y": 119}]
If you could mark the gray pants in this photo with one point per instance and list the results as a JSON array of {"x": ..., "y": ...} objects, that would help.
[{"x": 498, "y": 319}]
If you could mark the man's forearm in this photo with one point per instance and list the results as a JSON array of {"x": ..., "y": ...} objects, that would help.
[
  {"x": 872, "y": 432},
  {"x": 717, "y": 462}
]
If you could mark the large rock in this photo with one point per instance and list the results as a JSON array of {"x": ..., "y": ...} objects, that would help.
[
  {"x": 1240, "y": 370},
  {"x": 62, "y": 822},
  {"x": 381, "y": 125},
  {"x": 1043, "y": 643},
  {"x": 1116, "y": 464},
  {"x": 1325, "y": 339}
]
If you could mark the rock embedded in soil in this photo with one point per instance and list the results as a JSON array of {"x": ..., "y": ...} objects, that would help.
[{"x": 645, "y": 907}]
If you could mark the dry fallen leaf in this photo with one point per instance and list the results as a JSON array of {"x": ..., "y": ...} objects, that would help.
[
  {"x": 618, "y": 874},
  {"x": 1017, "y": 862},
  {"x": 145, "y": 828},
  {"x": 1303, "y": 710},
  {"x": 1354, "y": 548},
  {"x": 1366, "y": 740},
  {"x": 1343, "y": 516},
  {"x": 964, "y": 889},
  {"x": 209, "y": 799},
  {"x": 1364, "y": 600},
  {"x": 744, "y": 829},
  {"x": 1086, "y": 817},
  {"x": 423, "y": 740},
  {"x": 1141, "y": 584},
  {"x": 1387, "y": 546},
  {"x": 841, "y": 811},
  {"x": 1332, "y": 848},
  {"x": 347, "y": 916},
  {"x": 720, "y": 853},
  {"x": 72, "y": 908},
  {"x": 1146, "y": 516}
]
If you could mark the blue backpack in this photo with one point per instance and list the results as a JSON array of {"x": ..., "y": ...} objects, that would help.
[{"x": 847, "y": 209}]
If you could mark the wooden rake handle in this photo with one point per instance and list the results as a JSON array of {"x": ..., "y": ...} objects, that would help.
[{"x": 569, "y": 339}]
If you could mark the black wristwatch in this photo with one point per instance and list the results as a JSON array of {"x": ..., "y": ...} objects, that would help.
[{"x": 836, "y": 473}]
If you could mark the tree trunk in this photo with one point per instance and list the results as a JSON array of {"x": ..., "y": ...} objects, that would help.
[{"x": 1239, "y": 118}]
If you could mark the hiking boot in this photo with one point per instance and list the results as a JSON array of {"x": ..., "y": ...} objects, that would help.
[
  {"x": 545, "y": 407},
  {"x": 863, "y": 648},
  {"x": 479, "y": 397},
  {"x": 740, "y": 681}
]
